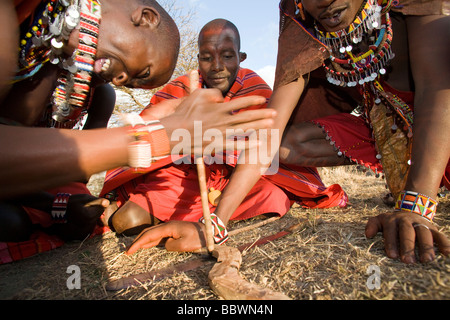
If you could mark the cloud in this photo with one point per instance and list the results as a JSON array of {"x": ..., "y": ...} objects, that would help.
[{"x": 268, "y": 74}]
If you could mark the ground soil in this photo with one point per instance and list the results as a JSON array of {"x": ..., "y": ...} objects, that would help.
[{"x": 328, "y": 258}]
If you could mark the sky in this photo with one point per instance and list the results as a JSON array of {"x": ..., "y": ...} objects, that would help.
[{"x": 257, "y": 21}]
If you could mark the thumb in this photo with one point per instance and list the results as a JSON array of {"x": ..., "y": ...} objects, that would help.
[{"x": 373, "y": 226}]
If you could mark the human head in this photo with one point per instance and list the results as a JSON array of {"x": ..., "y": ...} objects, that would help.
[
  {"x": 333, "y": 15},
  {"x": 219, "y": 55},
  {"x": 138, "y": 44}
]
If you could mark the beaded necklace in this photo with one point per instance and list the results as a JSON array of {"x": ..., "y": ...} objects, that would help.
[
  {"x": 49, "y": 30},
  {"x": 349, "y": 69}
]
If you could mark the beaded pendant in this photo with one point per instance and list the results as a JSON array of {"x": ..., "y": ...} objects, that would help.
[
  {"x": 74, "y": 85},
  {"x": 349, "y": 69}
]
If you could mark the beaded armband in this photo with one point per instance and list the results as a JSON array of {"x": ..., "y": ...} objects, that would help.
[
  {"x": 418, "y": 203},
  {"x": 59, "y": 207},
  {"x": 219, "y": 230},
  {"x": 150, "y": 141}
]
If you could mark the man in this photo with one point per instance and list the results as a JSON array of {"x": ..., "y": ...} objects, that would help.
[
  {"x": 65, "y": 49},
  {"x": 171, "y": 194}
]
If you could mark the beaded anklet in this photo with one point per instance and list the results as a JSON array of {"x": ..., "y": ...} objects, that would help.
[
  {"x": 418, "y": 203},
  {"x": 219, "y": 230},
  {"x": 59, "y": 207}
]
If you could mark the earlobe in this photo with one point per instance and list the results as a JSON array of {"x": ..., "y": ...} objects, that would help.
[{"x": 146, "y": 16}]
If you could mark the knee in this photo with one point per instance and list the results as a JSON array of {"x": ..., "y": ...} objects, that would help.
[
  {"x": 15, "y": 225},
  {"x": 131, "y": 219},
  {"x": 299, "y": 142}
]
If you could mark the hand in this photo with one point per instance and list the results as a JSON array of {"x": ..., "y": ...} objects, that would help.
[
  {"x": 83, "y": 213},
  {"x": 178, "y": 236},
  {"x": 207, "y": 109},
  {"x": 401, "y": 229},
  {"x": 161, "y": 110}
]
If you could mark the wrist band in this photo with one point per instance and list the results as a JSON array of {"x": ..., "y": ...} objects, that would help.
[
  {"x": 150, "y": 141},
  {"x": 59, "y": 207},
  {"x": 219, "y": 230},
  {"x": 418, "y": 203}
]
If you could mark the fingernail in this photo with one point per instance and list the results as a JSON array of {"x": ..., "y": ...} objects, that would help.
[
  {"x": 392, "y": 254},
  {"x": 408, "y": 259}
]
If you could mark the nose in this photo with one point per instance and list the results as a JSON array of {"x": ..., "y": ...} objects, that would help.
[
  {"x": 121, "y": 79},
  {"x": 217, "y": 64}
]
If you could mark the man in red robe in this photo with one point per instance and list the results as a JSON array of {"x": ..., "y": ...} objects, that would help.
[{"x": 171, "y": 193}]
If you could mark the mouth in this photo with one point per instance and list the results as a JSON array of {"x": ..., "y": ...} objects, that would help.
[
  {"x": 333, "y": 17},
  {"x": 102, "y": 65},
  {"x": 217, "y": 80}
]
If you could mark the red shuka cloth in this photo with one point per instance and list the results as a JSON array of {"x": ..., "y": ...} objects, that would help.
[{"x": 171, "y": 192}]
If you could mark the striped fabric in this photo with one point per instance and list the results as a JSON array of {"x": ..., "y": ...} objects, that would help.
[{"x": 302, "y": 185}]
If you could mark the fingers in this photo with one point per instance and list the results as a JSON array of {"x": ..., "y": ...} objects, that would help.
[
  {"x": 425, "y": 242},
  {"x": 373, "y": 226},
  {"x": 442, "y": 242},
  {"x": 407, "y": 237},
  {"x": 194, "y": 79},
  {"x": 98, "y": 202},
  {"x": 244, "y": 102},
  {"x": 390, "y": 239},
  {"x": 148, "y": 238}
]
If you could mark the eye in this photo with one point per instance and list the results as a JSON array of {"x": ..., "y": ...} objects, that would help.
[
  {"x": 205, "y": 58},
  {"x": 145, "y": 74}
]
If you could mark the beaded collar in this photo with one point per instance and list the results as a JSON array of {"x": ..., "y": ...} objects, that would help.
[
  {"x": 348, "y": 68},
  {"x": 43, "y": 42}
]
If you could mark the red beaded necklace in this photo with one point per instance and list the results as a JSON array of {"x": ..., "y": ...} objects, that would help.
[{"x": 49, "y": 30}]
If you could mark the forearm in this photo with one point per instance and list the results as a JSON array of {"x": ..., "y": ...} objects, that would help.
[
  {"x": 242, "y": 180},
  {"x": 431, "y": 143},
  {"x": 39, "y": 158},
  {"x": 428, "y": 37},
  {"x": 247, "y": 174}
]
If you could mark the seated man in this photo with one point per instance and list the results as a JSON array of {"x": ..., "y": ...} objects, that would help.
[
  {"x": 171, "y": 194},
  {"x": 49, "y": 69}
]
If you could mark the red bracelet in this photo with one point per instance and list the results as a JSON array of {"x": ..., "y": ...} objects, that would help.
[
  {"x": 59, "y": 207},
  {"x": 219, "y": 229}
]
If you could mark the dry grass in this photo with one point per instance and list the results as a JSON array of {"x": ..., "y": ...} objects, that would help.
[{"x": 322, "y": 261}]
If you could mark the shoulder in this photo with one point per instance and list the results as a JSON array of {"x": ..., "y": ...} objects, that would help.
[
  {"x": 175, "y": 89},
  {"x": 248, "y": 76}
]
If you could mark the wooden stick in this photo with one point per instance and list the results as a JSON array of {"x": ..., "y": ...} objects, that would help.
[{"x": 193, "y": 83}]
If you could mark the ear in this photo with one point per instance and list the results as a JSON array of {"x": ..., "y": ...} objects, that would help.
[
  {"x": 146, "y": 17},
  {"x": 242, "y": 56}
]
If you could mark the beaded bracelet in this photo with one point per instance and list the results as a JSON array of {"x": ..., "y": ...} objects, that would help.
[
  {"x": 418, "y": 203},
  {"x": 59, "y": 207},
  {"x": 150, "y": 141},
  {"x": 219, "y": 230}
]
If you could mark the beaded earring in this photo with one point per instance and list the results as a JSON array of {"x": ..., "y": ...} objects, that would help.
[{"x": 300, "y": 10}]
